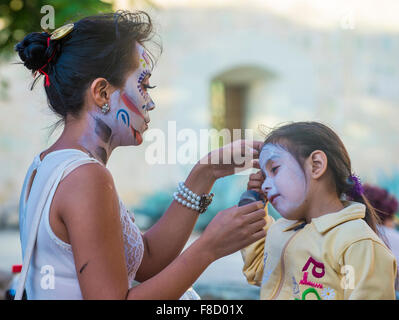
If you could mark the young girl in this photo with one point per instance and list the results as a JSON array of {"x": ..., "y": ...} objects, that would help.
[{"x": 323, "y": 247}]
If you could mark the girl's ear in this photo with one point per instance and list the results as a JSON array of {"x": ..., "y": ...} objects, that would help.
[{"x": 317, "y": 163}]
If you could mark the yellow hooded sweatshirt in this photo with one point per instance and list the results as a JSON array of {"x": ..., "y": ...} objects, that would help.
[{"x": 335, "y": 256}]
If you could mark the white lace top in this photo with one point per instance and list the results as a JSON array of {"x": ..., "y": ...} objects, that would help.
[{"x": 52, "y": 273}]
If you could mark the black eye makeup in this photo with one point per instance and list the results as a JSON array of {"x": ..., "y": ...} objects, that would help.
[{"x": 147, "y": 86}]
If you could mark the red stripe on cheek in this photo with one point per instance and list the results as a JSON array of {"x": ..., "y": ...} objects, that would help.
[{"x": 129, "y": 103}]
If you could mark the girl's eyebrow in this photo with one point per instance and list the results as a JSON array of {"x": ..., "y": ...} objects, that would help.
[{"x": 272, "y": 158}]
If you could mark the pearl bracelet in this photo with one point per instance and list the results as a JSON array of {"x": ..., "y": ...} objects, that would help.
[
  {"x": 188, "y": 194},
  {"x": 191, "y": 200},
  {"x": 186, "y": 203}
]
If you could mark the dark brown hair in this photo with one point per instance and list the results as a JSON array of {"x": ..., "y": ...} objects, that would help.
[
  {"x": 302, "y": 138},
  {"x": 99, "y": 46}
]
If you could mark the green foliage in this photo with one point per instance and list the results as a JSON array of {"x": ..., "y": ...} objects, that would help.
[{"x": 19, "y": 17}]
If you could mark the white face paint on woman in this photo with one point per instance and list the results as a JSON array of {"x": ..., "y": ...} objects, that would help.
[
  {"x": 132, "y": 104},
  {"x": 285, "y": 181}
]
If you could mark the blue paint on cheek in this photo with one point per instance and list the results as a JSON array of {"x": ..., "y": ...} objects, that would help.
[{"x": 124, "y": 116}]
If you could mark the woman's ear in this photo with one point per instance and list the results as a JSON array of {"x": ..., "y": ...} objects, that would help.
[
  {"x": 100, "y": 91},
  {"x": 317, "y": 163}
]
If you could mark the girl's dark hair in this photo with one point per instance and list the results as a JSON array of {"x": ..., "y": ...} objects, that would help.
[
  {"x": 302, "y": 138},
  {"x": 98, "y": 46}
]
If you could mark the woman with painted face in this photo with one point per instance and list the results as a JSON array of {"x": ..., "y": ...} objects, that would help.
[
  {"x": 326, "y": 245},
  {"x": 86, "y": 245}
]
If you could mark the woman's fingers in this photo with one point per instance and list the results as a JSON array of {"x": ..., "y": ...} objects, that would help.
[
  {"x": 255, "y": 144},
  {"x": 252, "y": 185},
  {"x": 255, "y": 164},
  {"x": 255, "y": 182},
  {"x": 255, "y": 237},
  {"x": 251, "y": 207},
  {"x": 256, "y": 188},
  {"x": 258, "y": 176},
  {"x": 255, "y": 216},
  {"x": 257, "y": 226}
]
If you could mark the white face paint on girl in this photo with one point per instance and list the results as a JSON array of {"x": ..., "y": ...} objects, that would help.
[
  {"x": 132, "y": 104},
  {"x": 285, "y": 181}
]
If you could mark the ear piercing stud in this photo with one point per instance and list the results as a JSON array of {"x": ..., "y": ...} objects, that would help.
[{"x": 105, "y": 108}]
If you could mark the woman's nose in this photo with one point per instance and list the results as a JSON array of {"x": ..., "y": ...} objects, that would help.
[{"x": 150, "y": 106}]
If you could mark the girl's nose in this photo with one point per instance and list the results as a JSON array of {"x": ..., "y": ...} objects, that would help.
[{"x": 266, "y": 186}]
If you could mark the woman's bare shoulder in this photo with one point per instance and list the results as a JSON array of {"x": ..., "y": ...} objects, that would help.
[
  {"x": 89, "y": 187},
  {"x": 89, "y": 209}
]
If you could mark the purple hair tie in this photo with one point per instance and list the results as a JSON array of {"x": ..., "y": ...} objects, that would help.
[{"x": 357, "y": 189}]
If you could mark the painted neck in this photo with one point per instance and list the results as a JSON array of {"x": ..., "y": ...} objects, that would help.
[{"x": 90, "y": 133}]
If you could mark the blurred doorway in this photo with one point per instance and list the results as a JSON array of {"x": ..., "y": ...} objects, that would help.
[{"x": 229, "y": 93}]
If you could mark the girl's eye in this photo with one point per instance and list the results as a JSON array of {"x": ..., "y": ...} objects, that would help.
[{"x": 274, "y": 169}]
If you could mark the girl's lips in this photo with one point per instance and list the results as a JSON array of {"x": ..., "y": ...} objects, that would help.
[{"x": 273, "y": 198}]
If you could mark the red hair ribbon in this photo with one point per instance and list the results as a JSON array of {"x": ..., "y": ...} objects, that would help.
[{"x": 41, "y": 69}]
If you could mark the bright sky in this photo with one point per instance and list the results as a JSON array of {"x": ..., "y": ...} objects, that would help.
[{"x": 370, "y": 15}]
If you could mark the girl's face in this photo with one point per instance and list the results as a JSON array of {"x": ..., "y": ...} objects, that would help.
[
  {"x": 131, "y": 105},
  {"x": 285, "y": 182}
]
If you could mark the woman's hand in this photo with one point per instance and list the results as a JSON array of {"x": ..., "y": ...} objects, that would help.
[
  {"x": 234, "y": 228},
  {"x": 234, "y": 157},
  {"x": 255, "y": 183}
]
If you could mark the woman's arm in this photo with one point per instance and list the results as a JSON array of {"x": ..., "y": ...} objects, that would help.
[
  {"x": 173, "y": 228},
  {"x": 178, "y": 222},
  {"x": 90, "y": 211},
  {"x": 230, "y": 230}
]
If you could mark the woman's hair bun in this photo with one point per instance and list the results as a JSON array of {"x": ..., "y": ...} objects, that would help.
[{"x": 32, "y": 50}]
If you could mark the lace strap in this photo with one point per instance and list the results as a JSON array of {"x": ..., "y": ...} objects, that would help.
[{"x": 49, "y": 187}]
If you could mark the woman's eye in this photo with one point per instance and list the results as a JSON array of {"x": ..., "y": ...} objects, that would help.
[{"x": 147, "y": 86}]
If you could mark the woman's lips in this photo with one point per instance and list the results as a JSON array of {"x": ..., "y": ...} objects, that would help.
[{"x": 137, "y": 135}]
